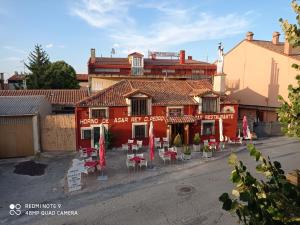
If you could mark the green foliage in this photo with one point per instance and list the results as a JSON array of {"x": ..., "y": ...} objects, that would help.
[
  {"x": 177, "y": 141},
  {"x": 270, "y": 201},
  {"x": 47, "y": 75},
  {"x": 197, "y": 139},
  {"x": 206, "y": 148},
  {"x": 38, "y": 64},
  {"x": 289, "y": 112},
  {"x": 187, "y": 150},
  {"x": 61, "y": 75}
]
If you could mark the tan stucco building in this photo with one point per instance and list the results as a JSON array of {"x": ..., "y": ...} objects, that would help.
[{"x": 257, "y": 71}]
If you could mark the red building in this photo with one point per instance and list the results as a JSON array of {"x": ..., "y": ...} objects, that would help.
[
  {"x": 175, "y": 106},
  {"x": 176, "y": 66}
]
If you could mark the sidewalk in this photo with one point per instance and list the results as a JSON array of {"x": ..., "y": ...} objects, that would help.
[{"x": 118, "y": 174}]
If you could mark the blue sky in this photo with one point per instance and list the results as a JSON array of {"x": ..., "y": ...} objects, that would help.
[{"x": 68, "y": 29}]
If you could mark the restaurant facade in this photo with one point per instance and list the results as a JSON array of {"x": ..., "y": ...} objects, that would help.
[{"x": 182, "y": 107}]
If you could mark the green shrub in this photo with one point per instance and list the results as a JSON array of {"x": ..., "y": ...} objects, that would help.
[
  {"x": 187, "y": 150},
  {"x": 197, "y": 139},
  {"x": 177, "y": 141}
]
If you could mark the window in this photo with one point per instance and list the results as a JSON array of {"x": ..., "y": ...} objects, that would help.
[
  {"x": 107, "y": 70},
  {"x": 208, "y": 128},
  {"x": 197, "y": 71},
  {"x": 164, "y": 71},
  {"x": 136, "y": 71},
  {"x": 86, "y": 133},
  {"x": 175, "y": 111},
  {"x": 138, "y": 107},
  {"x": 209, "y": 105},
  {"x": 99, "y": 113},
  {"x": 139, "y": 130}
]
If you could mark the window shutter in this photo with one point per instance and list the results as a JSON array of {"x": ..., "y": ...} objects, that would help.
[
  {"x": 129, "y": 107},
  {"x": 200, "y": 106},
  {"x": 149, "y": 107}
]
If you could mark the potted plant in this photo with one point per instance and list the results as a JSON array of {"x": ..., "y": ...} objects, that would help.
[
  {"x": 178, "y": 144},
  {"x": 187, "y": 153},
  {"x": 207, "y": 152},
  {"x": 196, "y": 145}
]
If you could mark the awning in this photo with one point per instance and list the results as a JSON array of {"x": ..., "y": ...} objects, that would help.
[{"x": 181, "y": 119}]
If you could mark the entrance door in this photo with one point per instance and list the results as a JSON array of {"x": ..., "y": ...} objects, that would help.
[
  {"x": 177, "y": 129},
  {"x": 95, "y": 136}
]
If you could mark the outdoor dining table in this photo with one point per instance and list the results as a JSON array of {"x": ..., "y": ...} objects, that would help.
[
  {"x": 91, "y": 163},
  {"x": 171, "y": 153},
  {"x": 137, "y": 159},
  {"x": 89, "y": 151}
]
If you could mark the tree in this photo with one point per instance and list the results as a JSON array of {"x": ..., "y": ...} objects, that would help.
[
  {"x": 61, "y": 75},
  {"x": 270, "y": 201},
  {"x": 289, "y": 112},
  {"x": 38, "y": 64}
]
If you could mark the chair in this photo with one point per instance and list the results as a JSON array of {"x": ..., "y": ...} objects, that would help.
[
  {"x": 125, "y": 147},
  {"x": 143, "y": 163},
  {"x": 157, "y": 143},
  {"x": 139, "y": 144},
  {"x": 179, "y": 156},
  {"x": 166, "y": 158},
  {"x": 130, "y": 141},
  {"x": 130, "y": 164},
  {"x": 83, "y": 153},
  {"x": 134, "y": 148},
  {"x": 161, "y": 152},
  {"x": 141, "y": 155},
  {"x": 94, "y": 153},
  {"x": 130, "y": 156},
  {"x": 165, "y": 142},
  {"x": 172, "y": 149}
]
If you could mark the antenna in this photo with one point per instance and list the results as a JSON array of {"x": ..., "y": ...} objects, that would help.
[{"x": 113, "y": 52}]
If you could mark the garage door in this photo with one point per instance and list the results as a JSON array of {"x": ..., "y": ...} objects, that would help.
[{"x": 16, "y": 138}]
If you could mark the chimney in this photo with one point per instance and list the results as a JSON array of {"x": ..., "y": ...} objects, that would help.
[
  {"x": 190, "y": 57},
  {"x": 287, "y": 48},
  {"x": 93, "y": 55},
  {"x": 1, "y": 81},
  {"x": 182, "y": 57},
  {"x": 275, "y": 38},
  {"x": 249, "y": 36}
]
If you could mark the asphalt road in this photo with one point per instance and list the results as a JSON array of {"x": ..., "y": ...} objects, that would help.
[{"x": 186, "y": 197}]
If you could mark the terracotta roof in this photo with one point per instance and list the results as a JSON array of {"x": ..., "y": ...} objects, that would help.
[
  {"x": 170, "y": 92},
  {"x": 277, "y": 48},
  {"x": 112, "y": 61},
  {"x": 136, "y": 53},
  {"x": 149, "y": 62},
  {"x": 82, "y": 77},
  {"x": 181, "y": 119},
  {"x": 60, "y": 97},
  {"x": 17, "y": 77}
]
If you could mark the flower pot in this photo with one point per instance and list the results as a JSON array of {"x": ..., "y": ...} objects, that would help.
[
  {"x": 207, "y": 154},
  {"x": 179, "y": 150},
  {"x": 187, "y": 157},
  {"x": 196, "y": 148}
]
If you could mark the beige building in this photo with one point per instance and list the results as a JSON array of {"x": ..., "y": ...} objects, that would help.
[{"x": 257, "y": 71}]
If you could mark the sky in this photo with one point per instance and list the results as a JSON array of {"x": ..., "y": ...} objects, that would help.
[{"x": 68, "y": 29}]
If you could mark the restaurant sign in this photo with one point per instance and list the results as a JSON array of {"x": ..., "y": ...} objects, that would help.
[
  {"x": 118, "y": 120},
  {"x": 226, "y": 116}
]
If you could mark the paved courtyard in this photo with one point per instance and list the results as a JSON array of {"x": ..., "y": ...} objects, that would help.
[{"x": 150, "y": 196}]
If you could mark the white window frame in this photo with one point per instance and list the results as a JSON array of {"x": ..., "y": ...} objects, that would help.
[
  {"x": 106, "y": 111},
  {"x": 208, "y": 121},
  {"x": 92, "y": 131},
  {"x": 175, "y": 107},
  {"x": 82, "y": 129},
  {"x": 138, "y": 124}
]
